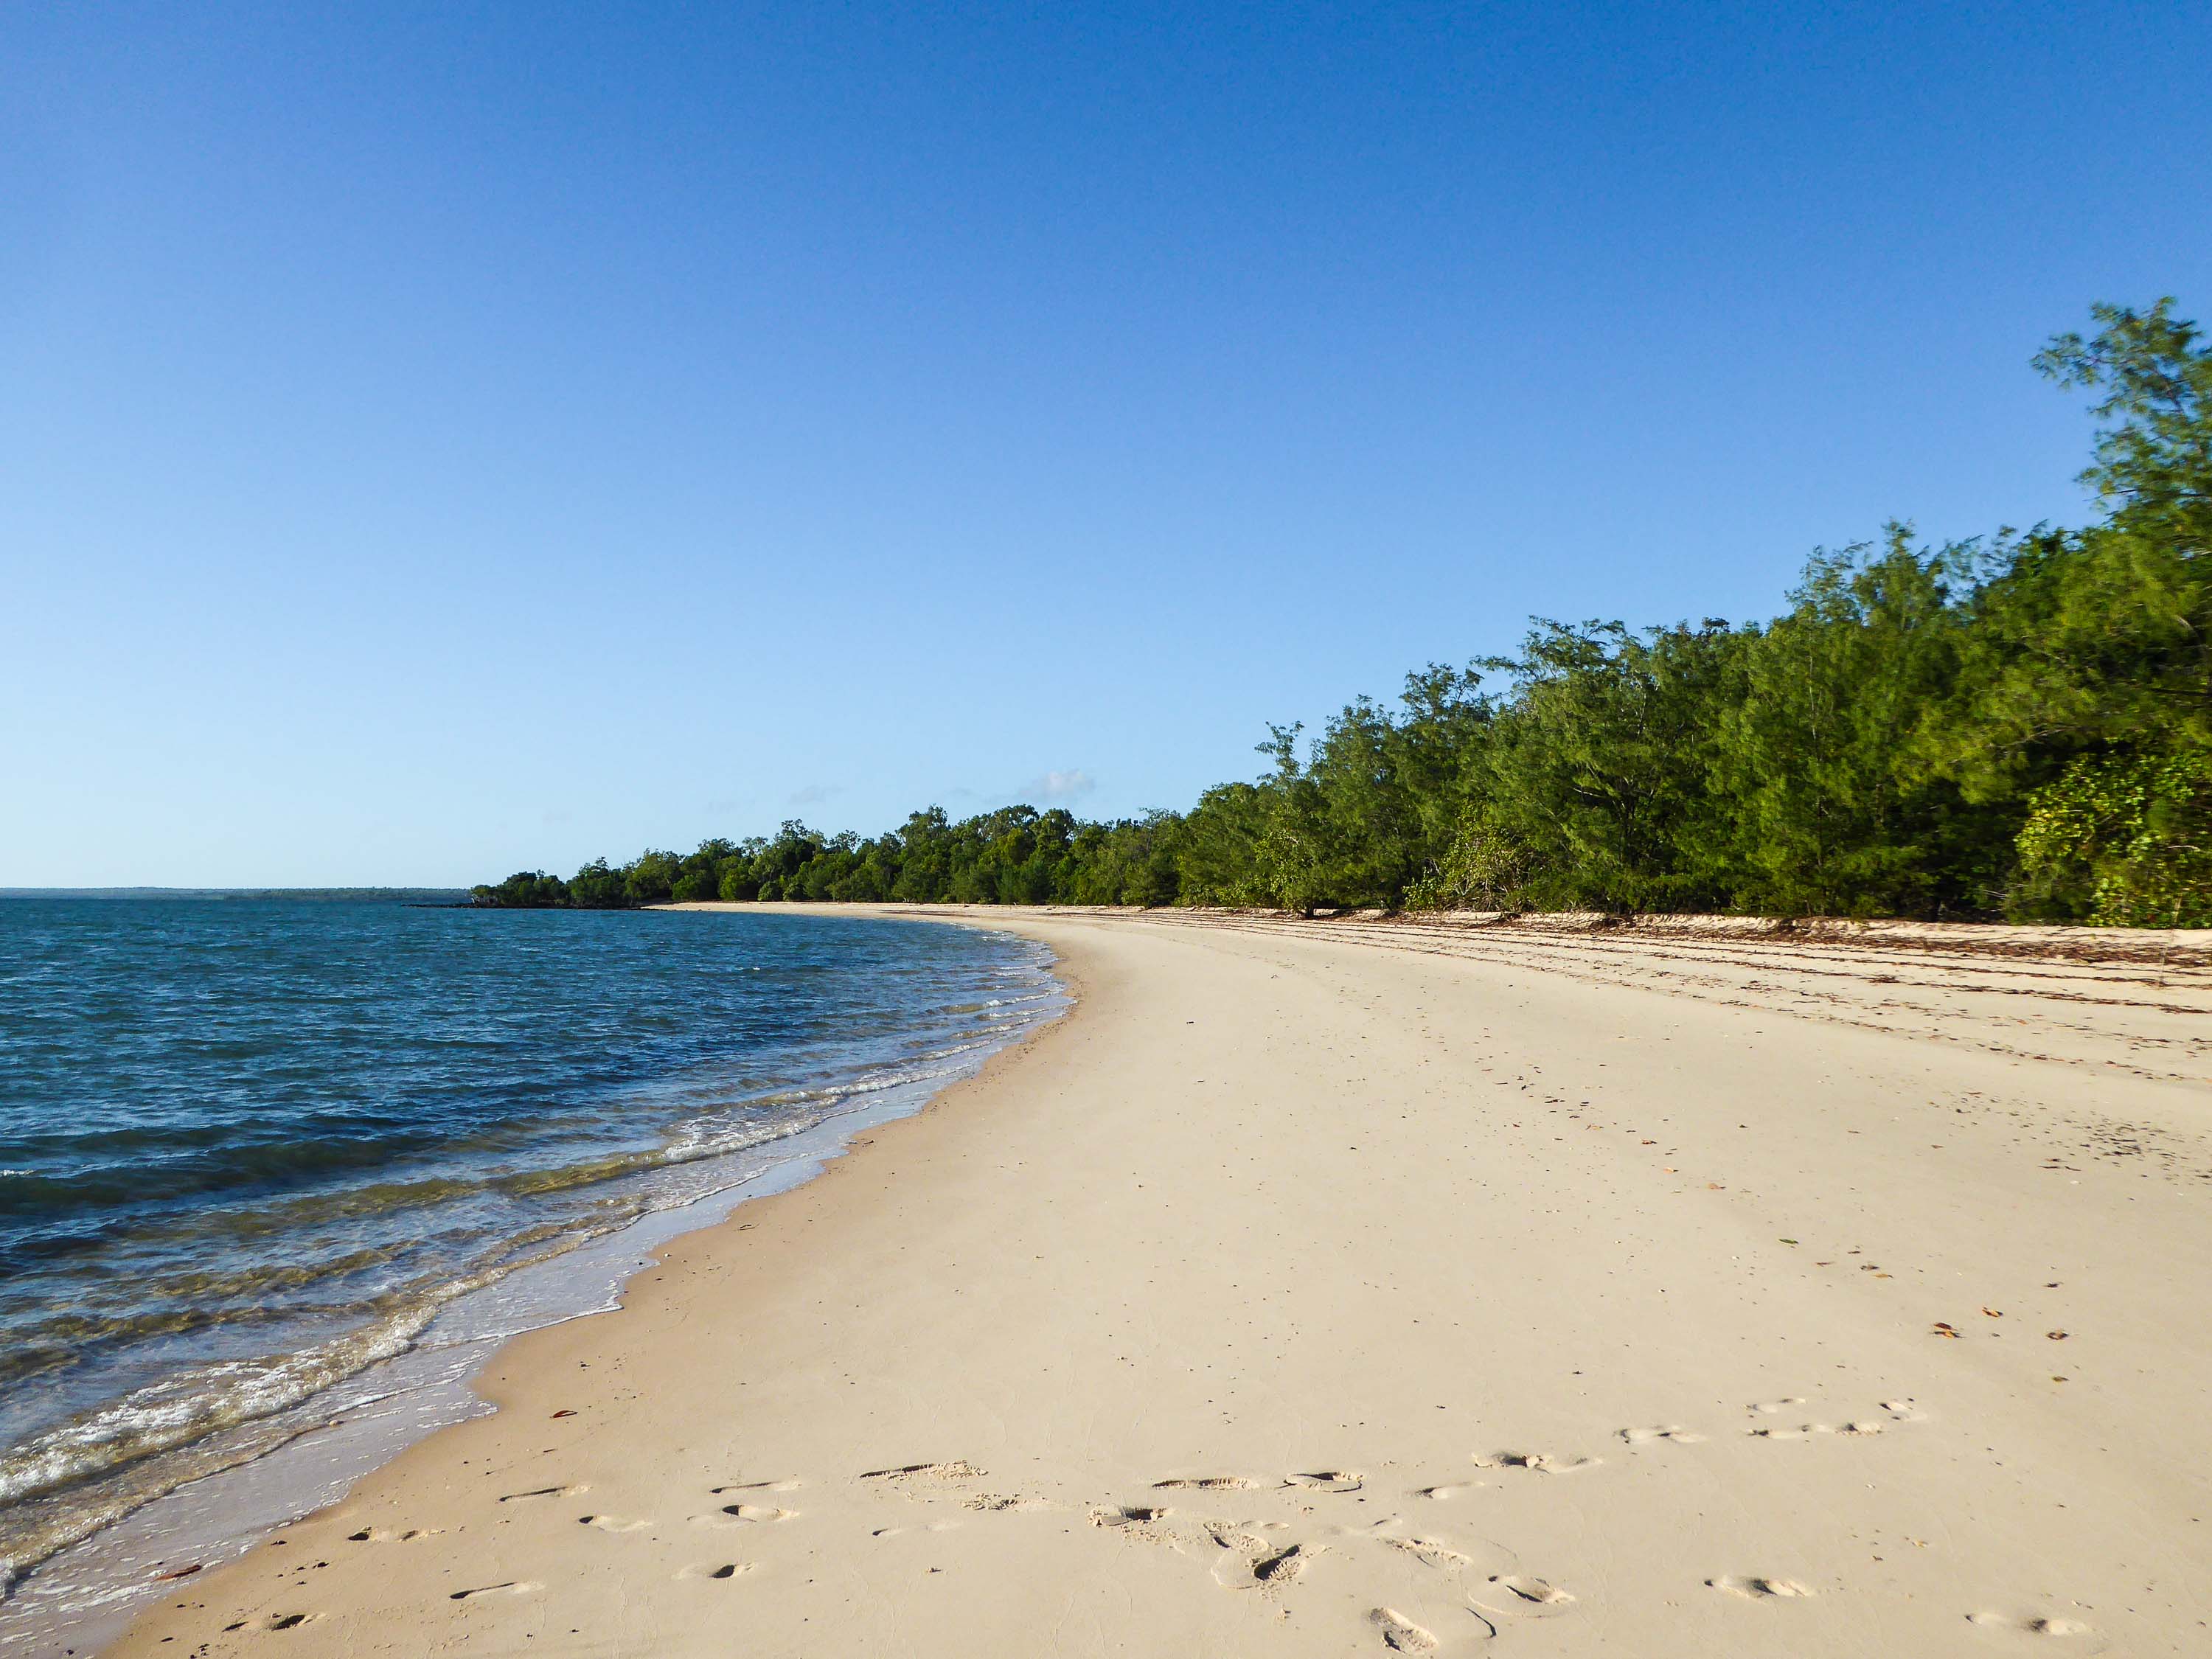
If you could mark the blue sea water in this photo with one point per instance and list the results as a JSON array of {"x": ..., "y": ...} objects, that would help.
[{"x": 253, "y": 1149}]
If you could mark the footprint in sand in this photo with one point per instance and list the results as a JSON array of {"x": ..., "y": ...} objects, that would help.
[
  {"x": 512, "y": 1587},
  {"x": 1205, "y": 1483},
  {"x": 998, "y": 1503},
  {"x": 385, "y": 1535},
  {"x": 1129, "y": 1515},
  {"x": 1769, "y": 1407},
  {"x": 1429, "y": 1551},
  {"x": 755, "y": 1486},
  {"x": 1671, "y": 1432},
  {"x": 2028, "y": 1624},
  {"x": 743, "y": 1515},
  {"x": 1758, "y": 1589},
  {"x": 1532, "y": 1591},
  {"x": 1401, "y": 1634},
  {"x": 716, "y": 1570},
  {"x": 1900, "y": 1411},
  {"x": 613, "y": 1523},
  {"x": 1498, "y": 1564},
  {"x": 1540, "y": 1462},
  {"x": 1249, "y": 1562},
  {"x": 762, "y": 1513},
  {"x": 927, "y": 1473},
  {"x": 1333, "y": 1480},
  {"x": 1445, "y": 1494}
]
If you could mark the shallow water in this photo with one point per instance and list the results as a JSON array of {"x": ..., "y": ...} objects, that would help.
[{"x": 262, "y": 1162}]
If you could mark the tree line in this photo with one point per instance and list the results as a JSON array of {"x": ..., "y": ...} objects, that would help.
[{"x": 2018, "y": 726}]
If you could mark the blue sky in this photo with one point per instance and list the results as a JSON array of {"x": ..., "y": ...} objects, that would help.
[{"x": 447, "y": 439}]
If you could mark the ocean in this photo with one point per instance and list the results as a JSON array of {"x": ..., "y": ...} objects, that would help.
[{"x": 269, "y": 1165}]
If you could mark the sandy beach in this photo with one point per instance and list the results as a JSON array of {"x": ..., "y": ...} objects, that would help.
[{"x": 1340, "y": 1287}]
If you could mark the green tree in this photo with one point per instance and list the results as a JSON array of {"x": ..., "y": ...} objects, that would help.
[
  {"x": 596, "y": 887},
  {"x": 1833, "y": 813},
  {"x": 2153, "y": 458},
  {"x": 2125, "y": 840},
  {"x": 1600, "y": 761}
]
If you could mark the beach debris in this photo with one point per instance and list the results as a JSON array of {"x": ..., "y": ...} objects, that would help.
[
  {"x": 1944, "y": 1327},
  {"x": 177, "y": 1572},
  {"x": 2057, "y": 1336}
]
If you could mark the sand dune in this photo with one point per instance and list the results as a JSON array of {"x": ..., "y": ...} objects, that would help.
[{"x": 1340, "y": 1287}]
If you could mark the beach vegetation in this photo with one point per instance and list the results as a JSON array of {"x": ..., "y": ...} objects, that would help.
[{"x": 2018, "y": 725}]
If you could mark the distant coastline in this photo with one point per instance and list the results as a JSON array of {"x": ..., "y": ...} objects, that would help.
[{"x": 301, "y": 894}]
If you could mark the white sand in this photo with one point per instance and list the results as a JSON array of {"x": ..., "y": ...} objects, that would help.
[{"x": 1332, "y": 1289}]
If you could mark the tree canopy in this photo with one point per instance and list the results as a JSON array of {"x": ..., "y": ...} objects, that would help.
[{"x": 2019, "y": 725}]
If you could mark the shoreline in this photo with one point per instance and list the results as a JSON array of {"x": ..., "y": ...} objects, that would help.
[
  {"x": 1238, "y": 1277},
  {"x": 243, "y": 1483}
]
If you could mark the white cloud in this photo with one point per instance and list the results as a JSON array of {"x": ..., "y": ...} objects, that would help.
[{"x": 1072, "y": 785}]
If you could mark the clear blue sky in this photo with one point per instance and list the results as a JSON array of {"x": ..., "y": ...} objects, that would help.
[{"x": 442, "y": 439}]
